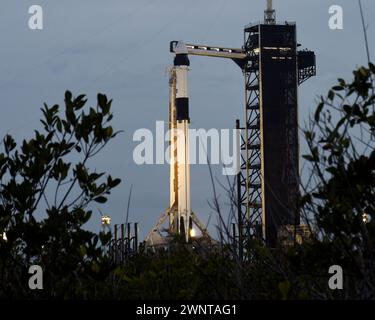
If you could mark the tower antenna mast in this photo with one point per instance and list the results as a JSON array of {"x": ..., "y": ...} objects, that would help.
[{"x": 269, "y": 13}]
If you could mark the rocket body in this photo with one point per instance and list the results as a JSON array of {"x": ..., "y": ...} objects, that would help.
[
  {"x": 179, "y": 145},
  {"x": 182, "y": 221}
]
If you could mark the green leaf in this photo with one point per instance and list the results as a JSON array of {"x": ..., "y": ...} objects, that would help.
[
  {"x": 102, "y": 100},
  {"x": 342, "y": 82},
  {"x": 100, "y": 199},
  {"x": 338, "y": 88},
  {"x": 79, "y": 102},
  {"x": 103, "y": 103},
  {"x": 308, "y": 157},
  {"x": 59, "y": 125},
  {"x": 9, "y": 143},
  {"x": 331, "y": 95},
  {"x": 68, "y": 96},
  {"x": 318, "y": 111},
  {"x": 109, "y": 132},
  {"x": 347, "y": 109},
  {"x": 115, "y": 183}
]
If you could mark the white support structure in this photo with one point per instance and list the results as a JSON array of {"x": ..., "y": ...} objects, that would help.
[{"x": 209, "y": 51}]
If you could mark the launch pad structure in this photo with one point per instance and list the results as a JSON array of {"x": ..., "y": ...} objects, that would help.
[{"x": 268, "y": 182}]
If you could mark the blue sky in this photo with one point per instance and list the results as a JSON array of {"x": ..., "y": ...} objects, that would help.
[{"x": 121, "y": 48}]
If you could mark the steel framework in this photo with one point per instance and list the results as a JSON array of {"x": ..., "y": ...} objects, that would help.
[
  {"x": 267, "y": 193},
  {"x": 249, "y": 188}
]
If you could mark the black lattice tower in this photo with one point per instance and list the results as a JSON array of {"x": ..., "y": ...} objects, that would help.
[
  {"x": 268, "y": 183},
  {"x": 249, "y": 178}
]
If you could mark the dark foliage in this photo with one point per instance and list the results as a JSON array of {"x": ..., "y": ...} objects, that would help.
[
  {"x": 46, "y": 188},
  {"x": 337, "y": 205}
]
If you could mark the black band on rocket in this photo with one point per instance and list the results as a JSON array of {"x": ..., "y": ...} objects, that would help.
[
  {"x": 181, "y": 60},
  {"x": 182, "y": 107}
]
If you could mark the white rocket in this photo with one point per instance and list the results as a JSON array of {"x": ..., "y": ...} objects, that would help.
[
  {"x": 182, "y": 220},
  {"x": 179, "y": 137}
]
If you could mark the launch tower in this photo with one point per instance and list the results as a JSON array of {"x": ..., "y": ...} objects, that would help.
[{"x": 268, "y": 182}]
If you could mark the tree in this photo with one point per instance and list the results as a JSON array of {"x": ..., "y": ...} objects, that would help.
[
  {"x": 339, "y": 200},
  {"x": 45, "y": 195}
]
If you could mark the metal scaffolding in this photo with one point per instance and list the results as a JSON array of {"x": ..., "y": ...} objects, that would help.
[{"x": 268, "y": 183}]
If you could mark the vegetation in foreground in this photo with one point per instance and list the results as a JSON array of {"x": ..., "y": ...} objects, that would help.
[{"x": 47, "y": 188}]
